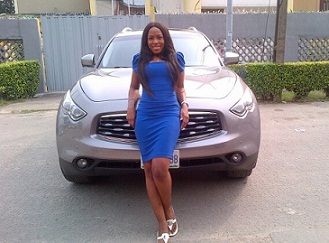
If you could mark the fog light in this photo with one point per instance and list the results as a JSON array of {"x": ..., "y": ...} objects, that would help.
[
  {"x": 82, "y": 163},
  {"x": 236, "y": 158}
]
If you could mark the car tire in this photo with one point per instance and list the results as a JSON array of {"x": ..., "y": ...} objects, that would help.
[
  {"x": 77, "y": 179},
  {"x": 238, "y": 173}
]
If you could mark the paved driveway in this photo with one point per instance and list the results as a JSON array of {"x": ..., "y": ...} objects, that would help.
[{"x": 286, "y": 199}]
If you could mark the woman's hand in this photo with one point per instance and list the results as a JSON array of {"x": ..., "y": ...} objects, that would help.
[
  {"x": 133, "y": 97},
  {"x": 184, "y": 116},
  {"x": 131, "y": 114}
]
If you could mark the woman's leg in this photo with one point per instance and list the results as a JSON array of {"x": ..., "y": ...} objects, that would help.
[{"x": 158, "y": 184}]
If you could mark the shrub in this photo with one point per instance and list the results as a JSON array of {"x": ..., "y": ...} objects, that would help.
[
  {"x": 268, "y": 80},
  {"x": 19, "y": 79}
]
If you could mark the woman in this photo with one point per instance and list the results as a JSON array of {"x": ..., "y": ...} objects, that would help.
[{"x": 161, "y": 113}]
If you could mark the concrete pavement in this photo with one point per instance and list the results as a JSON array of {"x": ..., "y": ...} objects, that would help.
[
  {"x": 41, "y": 102},
  {"x": 286, "y": 200}
]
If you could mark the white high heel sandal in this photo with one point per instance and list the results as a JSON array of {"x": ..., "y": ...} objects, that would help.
[
  {"x": 171, "y": 224},
  {"x": 164, "y": 237}
]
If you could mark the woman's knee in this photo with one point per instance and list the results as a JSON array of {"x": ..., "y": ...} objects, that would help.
[
  {"x": 148, "y": 169},
  {"x": 160, "y": 167}
]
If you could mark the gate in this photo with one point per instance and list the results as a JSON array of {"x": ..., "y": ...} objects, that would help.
[{"x": 67, "y": 38}]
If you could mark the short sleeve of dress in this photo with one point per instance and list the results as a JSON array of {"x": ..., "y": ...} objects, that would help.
[
  {"x": 135, "y": 62},
  {"x": 181, "y": 61}
]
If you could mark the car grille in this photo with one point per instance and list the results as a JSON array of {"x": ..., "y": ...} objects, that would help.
[{"x": 201, "y": 124}]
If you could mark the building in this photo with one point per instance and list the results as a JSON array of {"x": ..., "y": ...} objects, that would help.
[
  {"x": 139, "y": 7},
  {"x": 52, "y": 7},
  {"x": 264, "y": 5},
  {"x": 116, "y": 7},
  {"x": 308, "y": 5},
  {"x": 239, "y": 5}
]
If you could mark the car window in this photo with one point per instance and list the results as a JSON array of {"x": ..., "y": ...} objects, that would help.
[
  {"x": 120, "y": 52},
  {"x": 196, "y": 49}
]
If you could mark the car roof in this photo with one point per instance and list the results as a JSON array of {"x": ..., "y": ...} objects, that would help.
[{"x": 173, "y": 31}]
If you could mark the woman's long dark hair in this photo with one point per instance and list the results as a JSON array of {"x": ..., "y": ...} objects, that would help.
[{"x": 168, "y": 54}]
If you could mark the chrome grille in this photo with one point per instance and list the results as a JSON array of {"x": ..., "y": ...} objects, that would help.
[
  {"x": 115, "y": 127},
  {"x": 201, "y": 124}
]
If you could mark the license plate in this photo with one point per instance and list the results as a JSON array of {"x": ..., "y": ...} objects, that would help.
[{"x": 174, "y": 163}]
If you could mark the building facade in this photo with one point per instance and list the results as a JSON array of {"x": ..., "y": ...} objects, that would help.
[
  {"x": 141, "y": 7},
  {"x": 53, "y": 7}
]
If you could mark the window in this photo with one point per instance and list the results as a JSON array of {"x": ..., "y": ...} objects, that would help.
[
  {"x": 324, "y": 5},
  {"x": 197, "y": 51}
]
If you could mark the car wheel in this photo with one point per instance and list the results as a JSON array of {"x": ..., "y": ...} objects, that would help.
[
  {"x": 76, "y": 179},
  {"x": 238, "y": 173}
]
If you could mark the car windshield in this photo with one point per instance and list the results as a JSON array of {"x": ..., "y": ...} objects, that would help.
[{"x": 196, "y": 49}]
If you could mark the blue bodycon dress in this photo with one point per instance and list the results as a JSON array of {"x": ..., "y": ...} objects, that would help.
[{"x": 157, "y": 124}]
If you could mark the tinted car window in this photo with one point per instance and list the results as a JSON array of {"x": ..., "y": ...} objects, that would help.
[
  {"x": 120, "y": 52},
  {"x": 196, "y": 49}
]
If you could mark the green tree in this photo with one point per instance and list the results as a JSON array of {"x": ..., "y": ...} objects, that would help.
[{"x": 7, "y": 6}]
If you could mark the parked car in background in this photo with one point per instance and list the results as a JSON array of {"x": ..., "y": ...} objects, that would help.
[{"x": 95, "y": 139}]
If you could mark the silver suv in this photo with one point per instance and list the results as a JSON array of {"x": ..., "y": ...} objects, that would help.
[{"x": 94, "y": 138}]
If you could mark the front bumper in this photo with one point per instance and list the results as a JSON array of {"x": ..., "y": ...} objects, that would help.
[
  {"x": 109, "y": 167},
  {"x": 106, "y": 157}
]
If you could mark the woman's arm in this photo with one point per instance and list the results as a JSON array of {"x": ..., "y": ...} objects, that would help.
[
  {"x": 133, "y": 96},
  {"x": 181, "y": 96}
]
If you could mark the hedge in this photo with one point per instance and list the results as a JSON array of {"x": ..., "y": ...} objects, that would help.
[
  {"x": 19, "y": 79},
  {"x": 268, "y": 80}
]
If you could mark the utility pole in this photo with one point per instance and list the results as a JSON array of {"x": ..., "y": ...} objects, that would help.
[
  {"x": 229, "y": 25},
  {"x": 150, "y": 9},
  {"x": 280, "y": 31}
]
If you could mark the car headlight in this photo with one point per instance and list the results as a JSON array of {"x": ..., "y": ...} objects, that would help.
[
  {"x": 71, "y": 109},
  {"x": 243, "y": 105}
]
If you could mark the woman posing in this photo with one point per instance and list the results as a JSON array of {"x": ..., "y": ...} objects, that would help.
[{"x": 161, "y": 114}]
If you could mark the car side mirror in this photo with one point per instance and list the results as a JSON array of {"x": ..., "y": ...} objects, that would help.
[
  {"x": 88, "y": 60},
  {"x": 231, "y": 58}
]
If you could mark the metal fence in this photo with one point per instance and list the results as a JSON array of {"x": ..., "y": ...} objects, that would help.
[
  {"x": 253, "y": 34},
  {"x": 11, "y": 50},
  {"x": 313, "y": 49},
  {"x": 65, "y": 39}
]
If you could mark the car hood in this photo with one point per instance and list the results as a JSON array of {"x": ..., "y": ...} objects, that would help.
[{"x": 113, "y": 84}]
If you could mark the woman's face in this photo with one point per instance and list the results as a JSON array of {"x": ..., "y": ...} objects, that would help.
[{"x": 155, "y": 40}]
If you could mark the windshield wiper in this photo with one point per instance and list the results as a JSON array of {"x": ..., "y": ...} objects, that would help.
[
  {"x": 120, "y": 67},
  {"x": 204, "y": 49}
]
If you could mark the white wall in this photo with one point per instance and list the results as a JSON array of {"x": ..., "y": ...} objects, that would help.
[
  {"x": 105, "y": 7},
  {"x": 52, "y": 6},
  {"x": 165, "y": 6}
]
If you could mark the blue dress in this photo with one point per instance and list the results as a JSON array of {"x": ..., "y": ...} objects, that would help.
[{"x": 157, "y": 124}]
